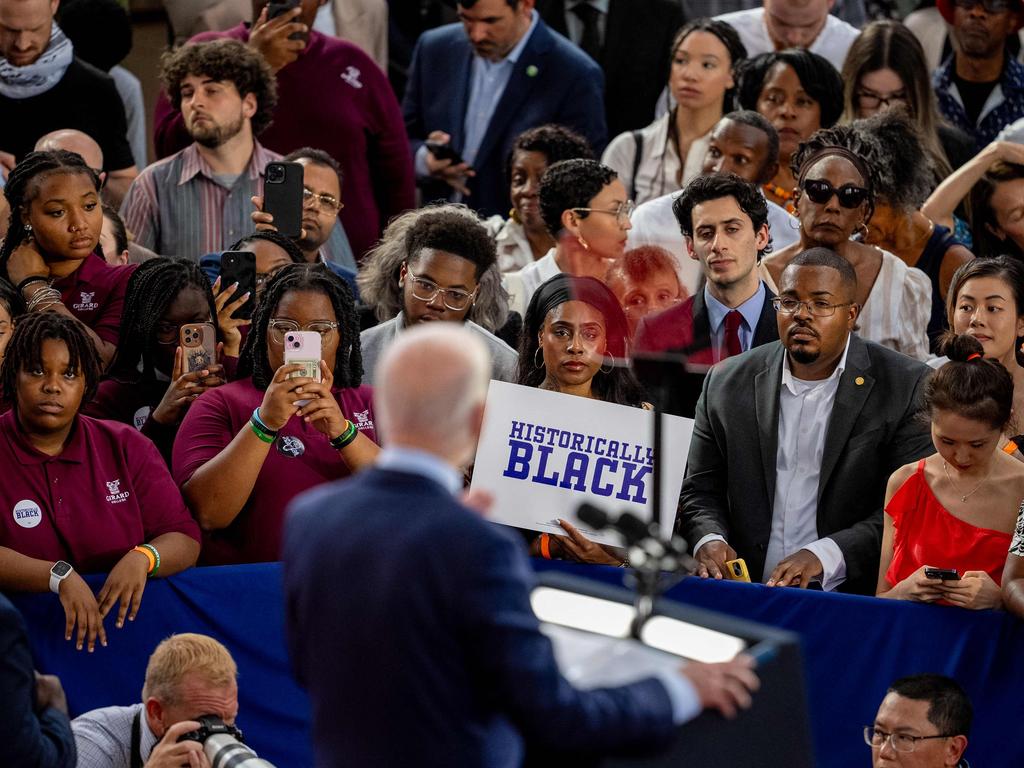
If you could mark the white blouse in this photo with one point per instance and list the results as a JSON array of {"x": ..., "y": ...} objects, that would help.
[
  {"x": 659, "y": 162},
  {"x": 897, "y": 310}
]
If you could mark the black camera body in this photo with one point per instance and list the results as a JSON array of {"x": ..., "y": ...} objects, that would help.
[{"x": 210, "y": 725}]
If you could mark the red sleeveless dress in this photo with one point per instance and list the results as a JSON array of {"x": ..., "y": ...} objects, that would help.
[{"x": 926, "y": 534}]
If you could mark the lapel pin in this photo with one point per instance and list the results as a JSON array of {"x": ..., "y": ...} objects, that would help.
[
  {"x": 531, "y": 71},
  {"x": 859, "y": 381}
]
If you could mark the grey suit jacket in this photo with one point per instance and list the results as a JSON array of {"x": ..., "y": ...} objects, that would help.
[
  {"x": 875, "y": 427},
  {"x": 373, "y": 341}
]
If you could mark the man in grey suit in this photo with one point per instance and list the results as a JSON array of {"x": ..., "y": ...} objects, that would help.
[{"x": 795, "y": 440}]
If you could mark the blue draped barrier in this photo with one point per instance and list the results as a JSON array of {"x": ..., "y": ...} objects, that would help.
[{"x": 853, "y": 647}]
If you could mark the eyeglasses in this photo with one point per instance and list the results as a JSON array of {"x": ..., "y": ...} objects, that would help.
[
  {"x": 277, "y": 329},
  {"x": 872, "y": 100},
  {"x": 623, "y": 212},
  {"x": 166, "y": 333},
  {"x": 426, "y": 290},
  {"x": 324, "y": 201},
  {"x": 990, "y": 6},
  {"x": 817, "y": 307},
  {"x": 820, "y": 192},
  {"x": 262, "y": 278},
  {"x": 901, "y": 742}
]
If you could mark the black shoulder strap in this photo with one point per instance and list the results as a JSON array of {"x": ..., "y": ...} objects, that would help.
[
  {"x": 638, "y": 139},
  {"x": 136, "y": 761}
]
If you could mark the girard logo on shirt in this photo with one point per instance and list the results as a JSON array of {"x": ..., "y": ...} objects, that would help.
[
  {"x": 363, "y": 420},
  {"x": 87, "y": 302},
  {"x": 351, "y": 76},
  {"x": 116, "y": 495}
]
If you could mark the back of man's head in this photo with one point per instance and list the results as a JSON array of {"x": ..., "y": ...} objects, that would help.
[
  {"x": 73, "y": 141},
  {"x": 430, "y": 387},
  {"x": 187, "y": 654},
  {"x": 949, "y": 708}
]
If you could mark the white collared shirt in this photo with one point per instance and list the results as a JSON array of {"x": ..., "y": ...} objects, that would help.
[{"x": 805, "y": 408}]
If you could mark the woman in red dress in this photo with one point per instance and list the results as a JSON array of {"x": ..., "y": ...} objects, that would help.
[{"x": 955, "y": 509}]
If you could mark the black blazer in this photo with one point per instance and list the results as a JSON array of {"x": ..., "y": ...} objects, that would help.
[
  {"x": 875, "y": 427},
  {"x": 634, "y": 56},
  {"x": 39, "y": 738}
]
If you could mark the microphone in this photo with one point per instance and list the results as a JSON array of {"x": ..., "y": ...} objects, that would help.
[{"x": 646, "y": 548}]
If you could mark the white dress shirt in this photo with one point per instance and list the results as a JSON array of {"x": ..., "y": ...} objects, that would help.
[
  {"x": 805, "y": 408},
  {"x": 521, "y": 285}
]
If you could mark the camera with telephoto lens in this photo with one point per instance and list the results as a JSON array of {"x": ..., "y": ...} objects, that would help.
[{"x": 223, "y": 744}]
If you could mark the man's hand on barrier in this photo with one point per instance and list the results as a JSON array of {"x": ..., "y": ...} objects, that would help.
[
  {"x": 797, "y": 570},
  {"x": 711, "y": 559},
  {"x": 725, "y": 687},
  {"x": 170, "y": 753}
]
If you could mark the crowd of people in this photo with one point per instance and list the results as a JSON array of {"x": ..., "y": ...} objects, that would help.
[{"x": 823, "y": 213}]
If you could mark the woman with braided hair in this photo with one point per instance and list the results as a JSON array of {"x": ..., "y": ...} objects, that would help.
[
  {"x": 88, "y": 495},
  {"x": 149, "y": 384},
  {"x": 835, "y": 199},
  {"x": 247, "y": 448},
  {"x": 51, "y": 253}
]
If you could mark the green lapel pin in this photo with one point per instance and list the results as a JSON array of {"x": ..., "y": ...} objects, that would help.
[{"x": 531, "y": 71}]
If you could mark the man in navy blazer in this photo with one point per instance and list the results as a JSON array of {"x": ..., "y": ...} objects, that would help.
[
  {"x": 408, "y": 615},
  {"x": 479, "y": 84}
]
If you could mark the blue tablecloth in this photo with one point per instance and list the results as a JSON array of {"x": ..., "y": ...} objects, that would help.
[{"x": 853, "y": 648}]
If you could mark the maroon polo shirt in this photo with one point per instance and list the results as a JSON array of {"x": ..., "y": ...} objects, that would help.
[
  {"x": 94, "y": 293},
  {"x": 299, "y": 459},
  {"x": 107, "y": 492}
]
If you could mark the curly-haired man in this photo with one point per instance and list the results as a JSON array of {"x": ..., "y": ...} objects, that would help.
[{"x": 199, "y": 199}]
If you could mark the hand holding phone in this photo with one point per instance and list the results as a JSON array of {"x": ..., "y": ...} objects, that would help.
[
  {"x": 239, "y": 267},
  {"x": 282, "y": 197},
  {"x": 199, "y": 345},
  {"x": 444, "y": 151},
  {"x": 946, "y": 574},
  {"x": 303, "y": 348},
  {"x": 443, "y": 162}
]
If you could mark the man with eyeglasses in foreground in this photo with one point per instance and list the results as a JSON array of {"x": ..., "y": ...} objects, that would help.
[
  {"x": 980, "y": 88},
  {"x": 923, "y": 722},
  {"x": 447, "y": 254},
  {"x": 794, "y": 441}
]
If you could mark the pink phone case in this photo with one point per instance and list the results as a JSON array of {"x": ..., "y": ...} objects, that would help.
[{"x": 303, "y": 347}]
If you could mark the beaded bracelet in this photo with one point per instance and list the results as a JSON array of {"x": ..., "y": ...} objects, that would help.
[
  {"x": 345, "y": 438},
  {"x": 156, "y": 558}
]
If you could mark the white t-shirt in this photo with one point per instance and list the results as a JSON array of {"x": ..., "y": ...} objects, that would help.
[{"x": 833, "y": 42}]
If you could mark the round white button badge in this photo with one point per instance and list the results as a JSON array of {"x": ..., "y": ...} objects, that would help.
[{"x": 27, "y": 513}]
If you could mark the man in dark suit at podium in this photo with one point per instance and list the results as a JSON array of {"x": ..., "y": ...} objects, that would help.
[{"x": 409, "y": 615}]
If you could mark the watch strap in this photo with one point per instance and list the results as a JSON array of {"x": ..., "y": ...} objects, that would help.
[{"x": 55, "y": 580}]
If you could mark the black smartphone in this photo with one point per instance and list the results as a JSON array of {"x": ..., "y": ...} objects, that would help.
[
  {"x": 282, "y": 197},
  {"x": 946, "y": 574},
  {"x": 444, "y": 152},
  {"x": 279, "y": 7},
  {"x": 239, "y": 267}
]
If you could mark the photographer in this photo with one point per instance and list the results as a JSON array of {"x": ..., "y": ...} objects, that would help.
[{"x": 188, "y": 676}]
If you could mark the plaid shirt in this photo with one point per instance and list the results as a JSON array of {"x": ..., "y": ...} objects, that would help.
[
  {"x": 177, "y": 207},
  {"x": 1005, "y": 104}
]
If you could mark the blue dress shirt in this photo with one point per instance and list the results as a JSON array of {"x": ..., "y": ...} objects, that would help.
[{"x": 749, "y": 309}]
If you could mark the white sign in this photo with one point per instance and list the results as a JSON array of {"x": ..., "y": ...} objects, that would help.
[{"x": 542, "y": 454}]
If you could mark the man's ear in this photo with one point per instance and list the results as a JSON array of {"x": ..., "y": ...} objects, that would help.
[
  {"x": 768, "y": 172},
  {"x": 154, "y": 716},
  {"x": 762, "y": 237},
  {"x": 249, "y": 105},
  {"x": 689, "y": 248}
]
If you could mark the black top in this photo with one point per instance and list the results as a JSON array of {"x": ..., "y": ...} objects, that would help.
[
  {"x": 85, "y": 99},
  {"x": 974, "y": 95},
  {"x": 930, "y": 262},
  {"x": 957, "y": 144}
]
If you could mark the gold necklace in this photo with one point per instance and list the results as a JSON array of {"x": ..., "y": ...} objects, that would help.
[{"x": 964, "y": 498}]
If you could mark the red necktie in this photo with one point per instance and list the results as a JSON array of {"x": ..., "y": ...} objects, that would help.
[{"x": 732, "y": 333}]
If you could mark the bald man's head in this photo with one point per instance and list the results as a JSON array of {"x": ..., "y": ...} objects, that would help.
[
  {"x": 71, "y": 140},
  {"x": 430, "y": 387}
]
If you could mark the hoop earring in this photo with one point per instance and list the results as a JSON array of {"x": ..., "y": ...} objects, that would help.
[
  {"x": 862, "y": 230},
  {"x": 538, "y": 364},
  {"x": 583, "y": 243},
  {"x": 611, "y": 365}
]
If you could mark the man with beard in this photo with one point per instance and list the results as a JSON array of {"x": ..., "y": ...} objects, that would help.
[
  {"x": 199, "y": 199},
  {"x": 981, "y": 88},
  {"x": 794, "y": 441}
]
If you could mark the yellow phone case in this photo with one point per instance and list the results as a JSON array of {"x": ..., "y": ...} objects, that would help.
[{"x": 737, "y": 570}]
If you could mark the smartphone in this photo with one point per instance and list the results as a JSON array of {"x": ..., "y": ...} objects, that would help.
[
  {"x": 199, "y": 343},
  {"x": 737, "y": 570},
  {"x": 303, "y": 348},
  {"x": 946, "y": 574},
  {"x": 278, "y": 7},
  {"x": 239, "y": 267},
  {"x": 282, "y": 197},
  {"x": 444, "y": 152}
]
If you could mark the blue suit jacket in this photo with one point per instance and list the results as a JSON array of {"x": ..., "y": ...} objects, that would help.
[
  {"x": 566, "y": 87},
  {"x": 28, "y": 738},
  {"x": 409, "y": 622}
]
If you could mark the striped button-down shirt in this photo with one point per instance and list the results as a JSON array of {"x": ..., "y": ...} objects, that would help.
[{"x": 178, "y": 207}]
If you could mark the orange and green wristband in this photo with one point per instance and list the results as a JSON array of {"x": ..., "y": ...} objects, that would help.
[{"x": 152, "y": 555}]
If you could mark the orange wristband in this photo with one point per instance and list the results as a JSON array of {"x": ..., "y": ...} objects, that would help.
[
  {"x": 545, "y": 546},
  {"x": 1010, "y": 448},
  {"x": 149, "y": 557}
]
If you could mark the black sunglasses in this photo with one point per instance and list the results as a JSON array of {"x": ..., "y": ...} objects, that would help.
[{"x": 820, "y": 192}]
